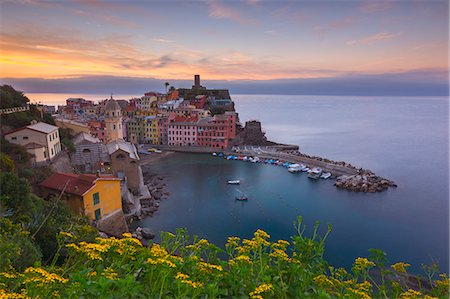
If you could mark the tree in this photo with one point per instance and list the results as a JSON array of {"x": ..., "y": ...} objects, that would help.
[
  {"x": 11, "y": 97},
  {"x": 16, "y": 248},
  {"x": 6, "y": 163}
]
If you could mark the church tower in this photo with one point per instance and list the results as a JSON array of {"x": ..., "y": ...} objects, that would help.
[{"x": 113, "y": 120}]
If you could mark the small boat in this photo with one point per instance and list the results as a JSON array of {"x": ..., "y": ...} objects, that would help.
[
  {"x": 220, "y": 154},
  {"x": 315, "y": 173},
  {"x": 325, "y": 175},
  {"x": 214, "y": 154},
  {"x": 241, "y": 198},
  {"x": 233, "y": 182},
  {"x": 294, "y": 168}
]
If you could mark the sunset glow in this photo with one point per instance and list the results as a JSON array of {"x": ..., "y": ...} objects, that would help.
[{"x": 222, "y": 40}]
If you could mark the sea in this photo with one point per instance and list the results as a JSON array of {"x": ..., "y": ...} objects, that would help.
[{"x": 405, "y": 139}]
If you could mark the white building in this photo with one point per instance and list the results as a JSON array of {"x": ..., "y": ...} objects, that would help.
[{"x": 40, "y": 139}]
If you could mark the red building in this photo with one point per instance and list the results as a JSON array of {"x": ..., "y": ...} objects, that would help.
[{"x": 217, "y": 131}]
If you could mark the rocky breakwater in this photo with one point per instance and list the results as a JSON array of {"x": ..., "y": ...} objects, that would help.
[
  {"x": 363, "y": 182},
  {"x": 156, "y": 186}
]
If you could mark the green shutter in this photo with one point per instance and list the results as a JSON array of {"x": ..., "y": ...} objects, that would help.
[
  {"x": 96, "y": 198},
  {"x": 97, "y": 214}
]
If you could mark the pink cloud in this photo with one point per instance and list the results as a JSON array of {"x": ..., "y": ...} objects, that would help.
[
  {"x": 378, "y": 37},
  {"x": 218, "y": 10}
]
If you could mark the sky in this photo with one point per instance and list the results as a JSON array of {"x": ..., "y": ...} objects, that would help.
[{"x": 46, "y": 46}]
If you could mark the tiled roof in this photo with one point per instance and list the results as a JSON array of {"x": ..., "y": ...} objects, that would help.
[{"x": 76, "y": 184}]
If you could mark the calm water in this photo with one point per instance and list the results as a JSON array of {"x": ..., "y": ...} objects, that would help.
[{"x": 404, "y": 139}]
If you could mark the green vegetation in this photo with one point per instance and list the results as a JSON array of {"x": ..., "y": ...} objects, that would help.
[
  {"x": 13, "y": 98},
  {"x": 6, "y": 163},
  {"x": 29, "y": 225},
  {"x": 181, "y": 268}
]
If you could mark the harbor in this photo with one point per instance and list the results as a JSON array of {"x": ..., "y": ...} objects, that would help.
[{"x": 347, "y": 176}]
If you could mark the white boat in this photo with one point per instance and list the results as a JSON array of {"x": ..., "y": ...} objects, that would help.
[
  {"x": 325, "y": 175},
  {"x": 314, "y": 173},
  {"x": 214, "y": 154},
  {"x": 294, "y": 168},
  {"x": 233, "y": 182},
  {"x": 254, "y": 160}
]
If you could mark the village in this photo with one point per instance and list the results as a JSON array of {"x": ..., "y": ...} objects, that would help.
[{"x": 100, "y": 173}]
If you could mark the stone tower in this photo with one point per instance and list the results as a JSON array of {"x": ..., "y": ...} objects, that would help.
[{"x": 113, "y": 120}]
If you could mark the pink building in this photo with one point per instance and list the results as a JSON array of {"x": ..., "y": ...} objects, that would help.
[{"x": 182, "y": 131}]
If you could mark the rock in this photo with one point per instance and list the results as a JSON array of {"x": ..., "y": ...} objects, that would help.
[
  {"x": 157, "y": 194},
  {"x": 103, "y": 235},
  {"x": 147, "y": 233}
]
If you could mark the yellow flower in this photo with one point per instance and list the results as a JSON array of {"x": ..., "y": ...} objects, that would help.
[
  {"x": 261, "y": 234},
  {"x": 65, "y": 234},
  {"x": 400, "y": 267},
  {"x": 161, "y": 261},
  {"x": 362, "y": 264},
  {"x": 184, "y": 278},
  {"x": 8, "y": 275},
  {"x": 127, "y": 235},
  {"x": 279, "y": 254},
  {"x": 158, "y": 251},
  {"x": 411, "y": 294},
  {"x": 355, "y": 293},
  {"x": 181, "y": 276},
  {"x": 4, "y": 294},
  {"x": 42, "y": 277},
  {"x": 264, "y": 288},
  {"x": 323, "y": 281},
  {"x": 93, "y": 273},
  {"x": 110, "y": 274},
  {"x": 242, "y": 259},
  {"x": 233, "y": 241},
  {"x": 206, "y": 267}
]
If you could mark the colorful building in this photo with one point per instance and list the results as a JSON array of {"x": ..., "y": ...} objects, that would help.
[
  {"x": 86, "y": 194},
  {"x": 182, "y": 131},
  {"x": 217, "y": 131}
]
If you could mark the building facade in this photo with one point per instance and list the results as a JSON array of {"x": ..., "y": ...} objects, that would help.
[{"x": 40, "y": 139}]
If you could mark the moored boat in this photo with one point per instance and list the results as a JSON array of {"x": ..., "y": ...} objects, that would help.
[
  {"x": 241, "y": 198},
  {"x": 294, "y": 168},
  {"x": 314, "y": 173},
  {"x": 325, "y": 175},
  {"x": 234, "y": 182}
]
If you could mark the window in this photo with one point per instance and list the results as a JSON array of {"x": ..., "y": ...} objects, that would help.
[
  {"x": 120, "y": 157},
  {"x": 86, "y": 151},
  {"x": 98, "y": 214},
  {"x": 25, "y": 137},
  {"x": 14, "y": 138},
  {"x": 114, "y": 127},
  {"x": 52, "y": 151},
  {"x": 96, "y": 197}
]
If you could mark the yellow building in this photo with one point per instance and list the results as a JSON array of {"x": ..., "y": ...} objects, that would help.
[
  {"x": 95, "y": 196},
  {"x": 154, "y": 134}
]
